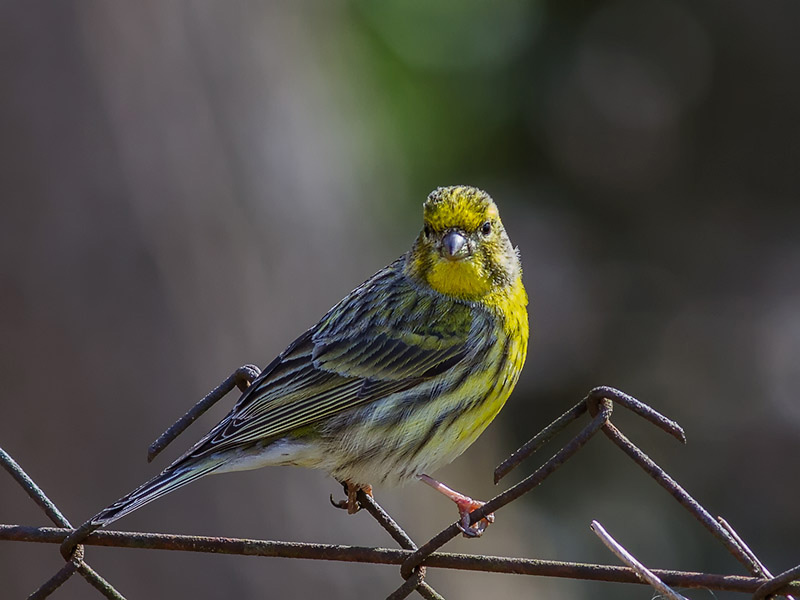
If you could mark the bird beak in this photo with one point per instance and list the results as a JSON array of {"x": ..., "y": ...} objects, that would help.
[{"x": 454, "y": 245}]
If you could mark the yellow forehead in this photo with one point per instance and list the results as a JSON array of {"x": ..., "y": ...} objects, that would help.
[{"x": 458, "y": 206}]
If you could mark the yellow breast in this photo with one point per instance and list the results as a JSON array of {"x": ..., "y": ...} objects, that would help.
[
  {"x": 462, "y": 279},
  {"x": 510, "y": 352}
]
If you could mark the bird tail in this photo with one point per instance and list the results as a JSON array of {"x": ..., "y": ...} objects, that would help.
[{"x": 172, "y": 478}]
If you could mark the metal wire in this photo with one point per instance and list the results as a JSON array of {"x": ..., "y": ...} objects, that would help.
[
  {"x": 763, "y": 571},
  {"x": 414, "y": 560},
  {"x": 778, "y": 584},
  {"x": 626, "y": 557},
  {"x": 385, "y": 556},
  {"x": 241, "y": 378},
  {"x": 75, "y": 559},
  {"x": 401, "y": 537}
]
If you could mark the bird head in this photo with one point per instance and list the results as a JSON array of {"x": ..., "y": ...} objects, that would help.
[{"x": 463, "y": 249}]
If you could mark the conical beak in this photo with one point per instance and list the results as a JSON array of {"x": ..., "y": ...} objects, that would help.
[{"x": 454, "y": 245}]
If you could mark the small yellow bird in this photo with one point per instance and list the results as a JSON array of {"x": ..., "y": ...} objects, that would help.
[{"x": 396, "y": 380}]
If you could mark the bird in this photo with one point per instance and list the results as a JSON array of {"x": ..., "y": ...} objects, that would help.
[{"x": 397, "y": 379}]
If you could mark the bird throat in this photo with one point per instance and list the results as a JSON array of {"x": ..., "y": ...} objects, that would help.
[{"x": 465, "y": 279}]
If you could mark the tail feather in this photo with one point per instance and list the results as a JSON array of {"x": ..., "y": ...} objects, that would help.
[{"x": 167, "y": 481}]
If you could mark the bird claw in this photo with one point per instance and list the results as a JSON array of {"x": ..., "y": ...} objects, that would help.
[
  {"x": 338, "y": 503},
  {"x": 465, "y": 507},
  {"x": 472, "y": 531},
  {"x": 351, "y": 504}
]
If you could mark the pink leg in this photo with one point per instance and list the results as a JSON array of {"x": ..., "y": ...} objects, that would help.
[{"x": 465, "y": 506}]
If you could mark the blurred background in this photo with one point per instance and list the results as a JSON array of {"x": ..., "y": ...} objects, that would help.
[{"x": 185, "y": 187}]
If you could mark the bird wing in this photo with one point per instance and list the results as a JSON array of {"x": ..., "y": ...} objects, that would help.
[{"x": 385, "y": 337}]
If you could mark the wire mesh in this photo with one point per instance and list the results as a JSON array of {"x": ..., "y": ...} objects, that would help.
[{"x": 414, "y": 560}]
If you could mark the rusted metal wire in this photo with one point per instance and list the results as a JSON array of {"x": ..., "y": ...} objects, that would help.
[
  {"x": 626, "y": 557},
  {"x": 595, "y": 395},
  {"x": 681, "y": 495},
  {"x": 75, "y": 560},
  {"x": 762, "y": 570},
  {"x": 401, "y": 537},
  {"x": 410, "y": 585},
  {"x": 599, "y": 403},
  {"x": 779, "y": 584},
  {"x": 386, "y": 556},
  {"x": 33, "y": 490},
  {"x": 413, "y": 560},
  {"x": 241, "y": 378},
  {"x": 383, "y": 518},
  {"x": 52, "y": 584},
  {"x": 539, "y": 440},
  {"x": 511, "y": 494}
]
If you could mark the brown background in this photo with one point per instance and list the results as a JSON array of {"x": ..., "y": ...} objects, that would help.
[{"x": 184, "y": 187}]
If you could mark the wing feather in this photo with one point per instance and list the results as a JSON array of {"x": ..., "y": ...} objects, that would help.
[{"x": 387, "y": 336}]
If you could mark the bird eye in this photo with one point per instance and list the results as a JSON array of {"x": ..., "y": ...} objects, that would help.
[
  {"x": 428, "y": 230},
  {"x": 486, "y": 228}
]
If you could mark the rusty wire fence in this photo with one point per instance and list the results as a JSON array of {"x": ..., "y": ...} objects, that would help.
[{"x": 413, "y": 559}]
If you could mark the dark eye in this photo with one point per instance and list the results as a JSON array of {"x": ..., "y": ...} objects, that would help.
[
  {"x": 486, "y": 228},
  {"x": 428, "y": 230}
]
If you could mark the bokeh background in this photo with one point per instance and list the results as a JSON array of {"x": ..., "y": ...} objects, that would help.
[{"x": 185, "y": 186}]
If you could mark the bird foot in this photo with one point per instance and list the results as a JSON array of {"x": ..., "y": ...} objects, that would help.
[
  {"x": 351, "y": 504},
  {"x": 465, "y": 506}
]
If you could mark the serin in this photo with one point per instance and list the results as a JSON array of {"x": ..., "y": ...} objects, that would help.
[{"x": 396, "y": 380}]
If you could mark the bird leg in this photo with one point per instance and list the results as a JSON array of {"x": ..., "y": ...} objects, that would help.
[
  {"x": 352, "y": 489},
  {"x": 465, "y": 506}
]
